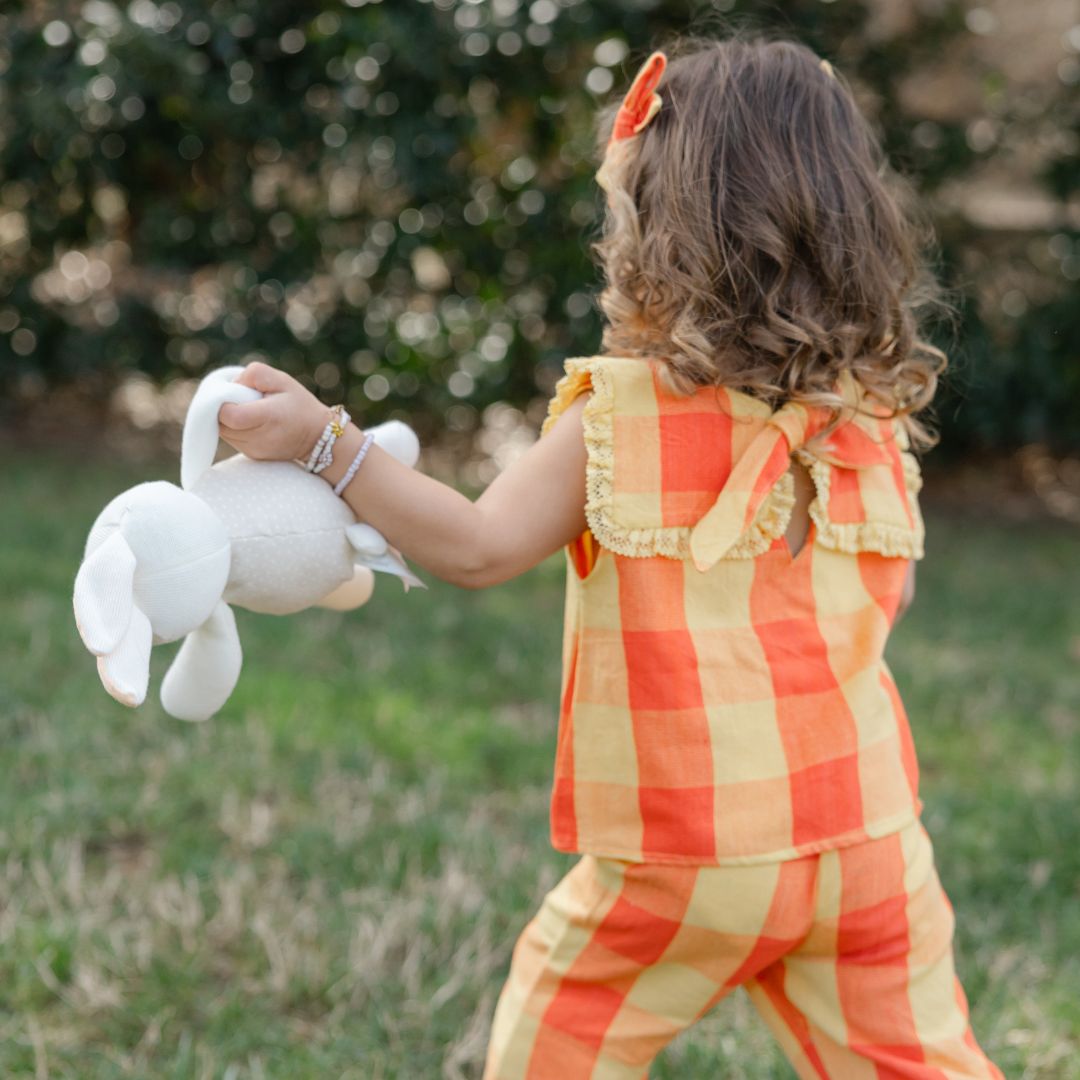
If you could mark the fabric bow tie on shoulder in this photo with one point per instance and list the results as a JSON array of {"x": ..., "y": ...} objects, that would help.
[{"x": 856, "y": 443}]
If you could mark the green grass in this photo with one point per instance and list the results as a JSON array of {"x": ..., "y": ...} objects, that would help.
[{"x": 326, "y": 880}]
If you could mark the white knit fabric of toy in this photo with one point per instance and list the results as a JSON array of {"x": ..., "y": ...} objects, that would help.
[{"x": 288, "y": 543}]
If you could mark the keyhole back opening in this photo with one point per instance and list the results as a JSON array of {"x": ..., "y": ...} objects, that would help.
[{"x": 799, "y": 526}]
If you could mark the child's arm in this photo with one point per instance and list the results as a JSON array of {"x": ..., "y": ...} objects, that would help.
[{"x": 532, "y": 508}]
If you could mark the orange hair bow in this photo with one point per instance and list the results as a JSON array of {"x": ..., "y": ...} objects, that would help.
[
  {"x": 638, "y": 107},
  {"x": 642, "y": 102}
]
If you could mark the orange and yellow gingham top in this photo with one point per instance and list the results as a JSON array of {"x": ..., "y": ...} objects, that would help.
[{"x": 722, "y": 701}]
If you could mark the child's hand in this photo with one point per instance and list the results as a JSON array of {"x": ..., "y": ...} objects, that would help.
[{"x": 284, "y": 425}]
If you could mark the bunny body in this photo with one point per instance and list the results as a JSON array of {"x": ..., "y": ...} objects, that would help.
[
  {"x": 287, "y": 530},
  {"x": 164, "y": 562}
]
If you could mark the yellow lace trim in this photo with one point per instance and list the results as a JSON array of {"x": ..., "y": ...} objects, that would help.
[
  {"x": 884, "y": 537},
  {"x": 912, "y": 473},
  {"x": 913, "y": 482},
  {"x": 771, "y": 521},
  {"x": 598, "y": 420},
  {"x": 671, "y": 541},
  {"x": 570, "y": 386}
]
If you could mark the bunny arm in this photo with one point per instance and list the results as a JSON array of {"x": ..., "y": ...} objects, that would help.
[
  {"x": 103, "y": 597},
  {"x": 205, "y": 670}
]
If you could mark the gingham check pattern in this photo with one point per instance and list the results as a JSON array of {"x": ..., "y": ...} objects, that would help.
[
  {"x": 846, "y": 954},
  {"x": 740, "y": 712}
]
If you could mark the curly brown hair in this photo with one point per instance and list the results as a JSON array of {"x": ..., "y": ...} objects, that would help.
[{"x": 756, "y": 238}]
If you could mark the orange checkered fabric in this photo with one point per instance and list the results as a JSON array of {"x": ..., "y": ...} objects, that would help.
[
  {"x": 847, "y": 955},
  {"x": 724, "y": 701}
]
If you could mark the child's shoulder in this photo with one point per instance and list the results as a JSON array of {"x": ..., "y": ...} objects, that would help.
[
  {"x": 639, "y": 386},
  {"x": 658, "y": 460}
]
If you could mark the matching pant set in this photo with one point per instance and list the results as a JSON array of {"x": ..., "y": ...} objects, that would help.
[{"x": 734, "y": 763}]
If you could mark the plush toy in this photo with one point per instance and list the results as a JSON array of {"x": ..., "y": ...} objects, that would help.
[{"x": 165, "y": 562}]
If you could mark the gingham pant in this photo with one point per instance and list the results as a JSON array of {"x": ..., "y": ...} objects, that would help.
[{"x": 847, "y": 955}]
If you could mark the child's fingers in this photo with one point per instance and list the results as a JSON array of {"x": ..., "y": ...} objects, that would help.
[
  {"x": 260, "y": 376},
  {"x": 242, "y": 417}
]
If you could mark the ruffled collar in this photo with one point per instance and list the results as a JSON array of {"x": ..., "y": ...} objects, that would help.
[{"x": 859, "y": 441}]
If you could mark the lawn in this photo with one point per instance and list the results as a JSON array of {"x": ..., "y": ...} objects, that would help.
[{"x": 326, "y": 879}]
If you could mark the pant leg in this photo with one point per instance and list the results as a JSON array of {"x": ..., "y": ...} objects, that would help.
[
  {"x": 872, "y": 993},
  {"x": 622, "y": 957}
]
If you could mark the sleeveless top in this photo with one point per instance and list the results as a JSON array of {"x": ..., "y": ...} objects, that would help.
[{"x": 723, "y": 701}]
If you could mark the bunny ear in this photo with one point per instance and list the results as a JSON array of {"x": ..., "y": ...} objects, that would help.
[
  {"x": 125, "y": 672},
  {"x": 103, "y": 599},
  {"x": 110, "y": 622},
  {"x": 200, "y": 439}
]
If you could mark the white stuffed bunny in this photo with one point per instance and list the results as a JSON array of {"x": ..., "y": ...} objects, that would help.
[{"x": 164, "y": 562}]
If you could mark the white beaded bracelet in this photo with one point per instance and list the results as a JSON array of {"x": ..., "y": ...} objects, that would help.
[
  {"x": 322, "y": 453},
  {"x": 318, "y": 446},
  {"x": 365, "y": 446},
  {"x": 337, "y": 428}
]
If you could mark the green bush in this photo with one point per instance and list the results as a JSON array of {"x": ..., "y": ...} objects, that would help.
[{"x": 393, "y": 201}]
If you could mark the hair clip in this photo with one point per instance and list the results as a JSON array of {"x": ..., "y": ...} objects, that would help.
[
  {"x": 642, "y": 102},
  {"x": 827, "y": 68}
]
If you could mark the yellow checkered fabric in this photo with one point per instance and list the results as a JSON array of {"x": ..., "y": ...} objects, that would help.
[{"x": 724, "y": 701}]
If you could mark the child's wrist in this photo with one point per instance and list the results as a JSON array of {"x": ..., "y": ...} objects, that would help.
[
  {"x": 319, "y": 416},
  {"x": 326, "y": 426},
  {"x": 343, "y": 451}
]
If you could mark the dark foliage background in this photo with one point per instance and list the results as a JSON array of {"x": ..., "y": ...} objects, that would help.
[{"x": 393, "y": 200}]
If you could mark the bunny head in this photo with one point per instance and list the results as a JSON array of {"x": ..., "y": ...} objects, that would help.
[{"x": 156, "y": 562}]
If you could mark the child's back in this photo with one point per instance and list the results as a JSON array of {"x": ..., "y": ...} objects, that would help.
[{"x": 725, "y": 700}]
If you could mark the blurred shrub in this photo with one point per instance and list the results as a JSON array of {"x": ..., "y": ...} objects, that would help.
[{"x": 392, "y": 200}]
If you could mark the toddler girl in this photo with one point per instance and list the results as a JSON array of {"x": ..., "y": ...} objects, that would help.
[{"x": 734, "y": 485}]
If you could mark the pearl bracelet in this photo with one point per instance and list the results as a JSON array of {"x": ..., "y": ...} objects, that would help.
[{"x": 365, "y": 446}]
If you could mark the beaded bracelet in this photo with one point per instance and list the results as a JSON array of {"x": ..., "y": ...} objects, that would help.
[
  {"x": 337, "y": 429},
  {"x": 365, "y": 446},
  {"x": 322, "y": 453},
  {"x": 318, "y": 446}
]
